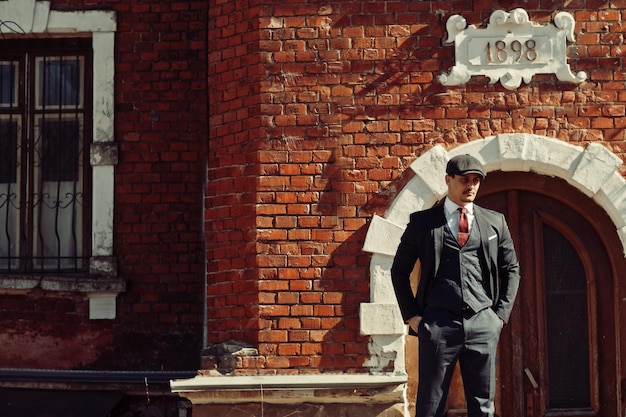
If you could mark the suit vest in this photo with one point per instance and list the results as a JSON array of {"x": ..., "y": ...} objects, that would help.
[{"x": 459, "y": 280}]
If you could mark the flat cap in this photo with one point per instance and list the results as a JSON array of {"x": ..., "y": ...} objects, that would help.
[{"x": 465, "y": 164}]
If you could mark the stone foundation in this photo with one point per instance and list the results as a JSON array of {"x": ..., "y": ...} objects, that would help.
[
  {"x": 297, "y": 410},
  {"x": 319, "y": 395}
]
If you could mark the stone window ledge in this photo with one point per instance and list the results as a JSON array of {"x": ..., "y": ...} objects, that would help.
[
  {"x": 102, "y": 278},
  {"x": 26, "y": 283}
]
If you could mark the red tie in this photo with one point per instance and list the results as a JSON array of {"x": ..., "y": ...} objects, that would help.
[{"x": 463, "y": 227}]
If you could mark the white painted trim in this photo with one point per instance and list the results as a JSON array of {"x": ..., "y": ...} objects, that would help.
[
  {"x": 593, "y": 170},
  {"x": 314, "y": 381},
  {"x": 89, "y": 21},
  {"x": 103, "y": 44},
  {"x": 102, "y": 210}
]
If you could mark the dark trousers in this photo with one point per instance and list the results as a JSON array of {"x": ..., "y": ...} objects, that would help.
[{"x": 470, "y": 339}]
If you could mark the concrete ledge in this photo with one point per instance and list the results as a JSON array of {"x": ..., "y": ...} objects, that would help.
[
  {"x": 299, "y": 381},
  {"x": 283, "y": 389}
]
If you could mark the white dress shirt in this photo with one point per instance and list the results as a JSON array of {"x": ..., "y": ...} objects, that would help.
[{"x": 452, "y": 213}]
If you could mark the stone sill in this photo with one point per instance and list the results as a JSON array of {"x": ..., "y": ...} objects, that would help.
[
  {"x": 26, "y": 283},
  {"x": 283, "y": 389}
]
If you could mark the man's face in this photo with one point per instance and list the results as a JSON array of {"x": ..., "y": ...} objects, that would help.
[{"x": 462, "y": 189}]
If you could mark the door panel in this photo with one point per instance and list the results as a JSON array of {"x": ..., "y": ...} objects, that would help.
[{"x": 567, "y": 342}]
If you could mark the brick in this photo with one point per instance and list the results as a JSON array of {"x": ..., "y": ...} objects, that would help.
[
  {"x": 289, "y": 349},
  {"x": 602, "y": 123},
  {"x": 274, "y": 336},
  {"x": 273, "y": 310},
  {"x": 312, "y": 349},
  {"x": 288, "y": 298},
  {"x": 267, "y": 298},
  {"x": 290, "y": 273},
  {"x": 299, "y": 362},
  {"x": 301, "y": 310},
  {"x": 321, "y": 311},
  {"x": 311, "y": 297},
  {"x": 289, "y": 323},
  {"x": 298, "y": 336},
  {"x": 277, "y": 362},
  {"x": 271, "y": 235}
]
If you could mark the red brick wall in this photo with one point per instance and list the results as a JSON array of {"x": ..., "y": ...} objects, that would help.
[
  {"x": 161, "y": 119},
  {"x": 233, "y": 172},
  {"x": 317, "y": 110}
]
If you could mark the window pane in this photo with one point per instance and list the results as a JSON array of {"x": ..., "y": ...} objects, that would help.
[
  {"x": 8, "y": 84},
  {"x": 58, "y": 229},
  {"x": 59, "y": 82},
  {"x": 58, "y": 197},
  {"x": 9, "y": 223},
  {"x": 8, "y": 151},
  {"x": 9, "y": 193},
  {"x": 567, "y": 331},
  {"x": 60, "y": 150}
]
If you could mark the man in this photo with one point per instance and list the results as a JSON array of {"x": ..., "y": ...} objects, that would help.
[{"x": 469, "y": 278}]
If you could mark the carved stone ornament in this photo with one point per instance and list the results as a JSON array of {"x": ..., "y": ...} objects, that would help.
[{"x": 510, "y": 49}]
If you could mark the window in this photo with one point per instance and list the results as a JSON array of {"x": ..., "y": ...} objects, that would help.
[
  {"x": 70, "y": 100},
  {"x": 45, "y": 135}
]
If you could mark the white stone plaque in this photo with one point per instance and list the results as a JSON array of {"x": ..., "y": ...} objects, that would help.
[{"x": 510, "y": 49}]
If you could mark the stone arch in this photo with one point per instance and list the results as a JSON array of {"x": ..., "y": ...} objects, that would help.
[{"x": 593, "y": 170}]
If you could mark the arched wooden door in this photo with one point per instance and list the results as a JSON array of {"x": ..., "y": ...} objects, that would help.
[{"x": 558, "y": 354}]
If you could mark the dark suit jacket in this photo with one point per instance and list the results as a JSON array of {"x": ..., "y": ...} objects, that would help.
[{"x": 423, "y": 240}]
